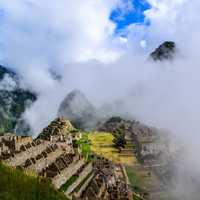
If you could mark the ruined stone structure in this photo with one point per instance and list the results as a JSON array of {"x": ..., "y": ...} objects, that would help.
[
  {"x": 151, "y": 143},
  {"x": 53, "y": 156},
  {"x": 58, "y": 130},
  {"x": 11, "y": 143}
]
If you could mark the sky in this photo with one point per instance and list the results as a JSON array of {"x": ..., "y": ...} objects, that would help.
[{"x": 135, "y": 14}]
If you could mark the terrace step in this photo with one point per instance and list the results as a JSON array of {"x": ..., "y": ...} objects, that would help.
[
  {"x": 84, "y": 186},
  {"x": 87, "y": 170},
  {"x": 32, "y": 152},
  {"x": 72, "y": 169},
  {"x": 43, "y": 163}
]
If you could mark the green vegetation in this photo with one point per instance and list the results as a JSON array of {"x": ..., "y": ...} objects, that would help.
[
  {"x": 12, "y": 106},
  {"x": 133, "y": 177},
  {"x": 13, "y": 103},
  {"x": 119, "y": 139},
  {"x": 68, "y": 183},
  {"x": 84, "y": 145},
  {"x": 82, "y": 182},
  {"x": 102, "y": 145},
  {"x": 15, "y": 185}
]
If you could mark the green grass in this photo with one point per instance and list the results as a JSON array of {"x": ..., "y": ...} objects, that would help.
[
  {"x": 133, "y": 177},
  {"x": 102, "y": 145},
  {"x": 15, "y": 185},
  {"x": 85, "y": 146},
  {"x": 68, "y": 183},
  {"x": 82, "y": 182}
]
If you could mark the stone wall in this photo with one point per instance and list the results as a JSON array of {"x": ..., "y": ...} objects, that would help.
[
  {"x": 44, "y": 162},
  {"x": 87, "y": 170},
  {"x": 19, "y": 158},
  {"x": 61, "y": 179}
]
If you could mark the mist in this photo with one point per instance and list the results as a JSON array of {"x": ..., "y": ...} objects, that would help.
[{"x": 78, "y": 41}]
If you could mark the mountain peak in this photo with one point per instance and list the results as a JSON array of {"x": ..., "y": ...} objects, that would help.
[
  {"x": 165, "y": 51},
  {"x": 78, "y": 109}
]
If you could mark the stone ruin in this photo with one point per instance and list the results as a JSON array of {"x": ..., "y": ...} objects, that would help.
[
  {"x": 57, "y": 130},
  {"x": 53, "y": 156},
  {"x": 106, "y": 183},
  {"x": 149, "y": 142},
  {"x": 11, "y": 144}
]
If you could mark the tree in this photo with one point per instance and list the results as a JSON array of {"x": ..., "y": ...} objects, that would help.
[{"x": 119, "y": 140}]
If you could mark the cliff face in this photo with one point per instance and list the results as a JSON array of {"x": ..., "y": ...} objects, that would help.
[
  {"x": 13, "y": 100},
  {"x": 77, "y": 108}
]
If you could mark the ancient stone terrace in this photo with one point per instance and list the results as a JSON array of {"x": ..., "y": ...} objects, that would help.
[
  {"x": 52, "y": 156},
  {"x": 12, "y": 143},
  {"x": 106, "y": 184},
  {"x": 96, "y": 189},
  {"x": 82, "y": 174},
  {"x": 27, "y": 151},
  {"x": 149, "y": 141},
  {"x": 58, "y": 130},
  {"x": 65, "y": 170},
  {"x": 42, "y": 160}
]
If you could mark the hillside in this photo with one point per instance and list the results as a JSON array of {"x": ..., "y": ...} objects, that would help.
[
  {"x": 78, "y": 109},
  {"x": 13, "y": 101},
  {"x": 15, "y": 185}
]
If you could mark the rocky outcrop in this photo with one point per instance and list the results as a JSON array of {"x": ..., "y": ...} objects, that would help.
[
  {"x": 77, "y": 108},
  {"x": 165, "y": 51}
]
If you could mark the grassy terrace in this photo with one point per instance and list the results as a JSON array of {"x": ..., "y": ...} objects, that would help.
[
  {"x": 82, "y": 183},
  {"x": 16, "y": 185},
  {"x": 102, "y": 144},
  {"x": 68, "y": 183},
  {"x": 133, "y": 177}
]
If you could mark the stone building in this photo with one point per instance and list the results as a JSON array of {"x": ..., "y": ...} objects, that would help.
[
  {"x": 150, "y": 142},
  {"x": 12, "y": 143}
]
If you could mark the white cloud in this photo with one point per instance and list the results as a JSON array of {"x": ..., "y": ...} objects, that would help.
[
  {"x": 69, "y": 31},
  {"x": 7, "y": 83}
]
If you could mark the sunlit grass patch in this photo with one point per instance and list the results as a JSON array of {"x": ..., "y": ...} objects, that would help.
[{"x": 102, "y": 144}]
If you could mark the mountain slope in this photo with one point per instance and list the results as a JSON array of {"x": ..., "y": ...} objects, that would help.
[
  {"x": 16, "y": 185},
  {"x": 13, "y": 100},
  {"x": 77, "y": 108}
]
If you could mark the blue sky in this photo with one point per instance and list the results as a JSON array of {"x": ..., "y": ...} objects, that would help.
[{"x": 134, "y": 16}]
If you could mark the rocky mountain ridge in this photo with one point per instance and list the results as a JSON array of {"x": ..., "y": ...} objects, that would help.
[{"x": 165, "y": 51}]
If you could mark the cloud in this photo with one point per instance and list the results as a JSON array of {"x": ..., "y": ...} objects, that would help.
[
  {"x": 38, "y": 38},
  {"x": 7, "y": 83}
]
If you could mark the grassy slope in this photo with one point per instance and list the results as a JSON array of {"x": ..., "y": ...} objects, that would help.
[
  {"x": 102, "y": 144},
  {"x": 15, "y": 185}
]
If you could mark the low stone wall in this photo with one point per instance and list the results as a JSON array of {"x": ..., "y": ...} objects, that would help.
[
  {"x": 88, "y": 169},
  {"x": 44, "y": 162},
  {"x": 61, "y": 179},
  {"x": 19, "y": 158},
  {"x": 84, "y": 186},
  {"x": 22, "y": 141}
]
